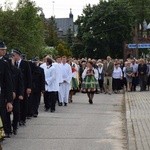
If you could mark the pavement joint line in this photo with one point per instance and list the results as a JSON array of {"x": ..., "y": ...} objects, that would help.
[{"x": 131, "y": 120}]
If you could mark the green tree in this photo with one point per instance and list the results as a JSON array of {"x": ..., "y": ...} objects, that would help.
[
  {"x": 78, "y": 49},
  {"x": 103, "y": 28},
  {"x": 63, "y": 49},
  {"x": 23, "y": 28},
  {"x": 31, "y": 36},
  {"x": 48, "y": 51},
  {"x": 51, "y": 38}
]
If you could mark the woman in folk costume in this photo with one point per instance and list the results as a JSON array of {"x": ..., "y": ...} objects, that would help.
[
  {"x": 74, "y": 81},
  {"x": 90, "y": 81}
]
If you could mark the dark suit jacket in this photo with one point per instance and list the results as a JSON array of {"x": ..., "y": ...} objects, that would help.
[
  {"x": 142, "y": 69},
  {"x": 26, "y": 72},
  {"x": 6, "y": 86},
  {"x": 108, "y": 69},
  {"x": 18, "y": 81},
  {"x": 38, "y": 79}
]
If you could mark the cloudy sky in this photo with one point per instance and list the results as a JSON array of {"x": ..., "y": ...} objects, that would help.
[{"x": 61, "y": 7}]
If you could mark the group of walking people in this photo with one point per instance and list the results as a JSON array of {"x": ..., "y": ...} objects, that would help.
[{"x": 22, "y": 83}]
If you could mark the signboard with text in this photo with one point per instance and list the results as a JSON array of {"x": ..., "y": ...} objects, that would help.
[{"x": 134, "y": 46}]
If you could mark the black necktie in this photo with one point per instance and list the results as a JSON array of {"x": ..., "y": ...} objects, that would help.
[{"x": 16, "y": 64}]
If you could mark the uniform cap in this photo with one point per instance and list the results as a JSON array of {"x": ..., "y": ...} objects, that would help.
[
  {"x": 17, "y": 51},
  {"x": 2, "y": 45}
]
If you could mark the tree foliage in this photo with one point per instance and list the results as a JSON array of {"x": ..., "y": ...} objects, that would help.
[
  {"x": 51, "y": 38},
  {"x": 22, "y": 28},
  {"x": 63, "y": 49},
  {"x": 104, "y": 27},
  {"x": 48, "y": 51}
]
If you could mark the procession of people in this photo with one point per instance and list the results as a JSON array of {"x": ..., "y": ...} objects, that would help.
[{"x": 23, "y": 82}]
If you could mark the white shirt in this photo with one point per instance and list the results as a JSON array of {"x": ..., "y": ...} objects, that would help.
[
  {"x": 124, "y": 72},
  {"x": 58, "y": 74},
  {"x": 50, "y": 78},
  {"x": 135, "y": 67},
  {"x": 43, "y": 66},
  {"x": 117, "y": 73},
  {"x": 100, "y": 69},
  {"x": 95, "y": 73},
  {"x": 75, "y": 73},
  {"x": 66, "y": 72},
  {"x": 148, "y": 68}
]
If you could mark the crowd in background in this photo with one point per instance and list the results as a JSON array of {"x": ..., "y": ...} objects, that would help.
[{"x": 23, "y": 82}]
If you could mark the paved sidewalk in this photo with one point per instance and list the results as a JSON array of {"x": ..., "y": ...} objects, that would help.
[
  {"x": 138, "y": 120},
  {"x": 79, "y": 126}
]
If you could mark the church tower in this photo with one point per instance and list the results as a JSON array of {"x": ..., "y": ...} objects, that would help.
[{"x": 70, "y": 14}]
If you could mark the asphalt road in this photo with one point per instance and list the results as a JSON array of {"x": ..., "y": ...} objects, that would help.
[{"x": 79, "y": 126}]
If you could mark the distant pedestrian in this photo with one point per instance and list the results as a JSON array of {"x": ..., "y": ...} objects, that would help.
[
  {"x": 117, "y": 78},
  {"x": 129, "y": 75},
  {"x": 66, "y": 81},
  {"x": 108, "y": 71},
  {"x": 51, "y": 85},
  {"x": 142, "y": 72}
]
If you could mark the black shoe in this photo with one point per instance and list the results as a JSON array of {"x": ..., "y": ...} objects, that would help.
[
  {"x": 15, "y": 131},
  {"x": 35, "y": 115},
  {"x": 65, "y": 104},
  {"x": 28, "y": 117},
  {"x": 52, "y": 111},
  {"x": 23, "y": 123},
  {"x": 20, "y": 123},
  {"x": 90, "y": 101},
  {"x": 46, "y": 109},
  {"x": 7, "y": 135},
  {"x": 60, "y": 104}
]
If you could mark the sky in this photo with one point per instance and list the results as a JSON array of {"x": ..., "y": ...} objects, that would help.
[{"x": 60, "y": 8}]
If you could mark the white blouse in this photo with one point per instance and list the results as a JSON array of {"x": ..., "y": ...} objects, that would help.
[{"x": 117, "y": 73}]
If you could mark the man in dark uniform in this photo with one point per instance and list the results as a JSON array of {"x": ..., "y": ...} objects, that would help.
[
  {"x": 6, "y": 89},
  {"x": 38, "y": 86},
  {"x": 19, "y": 92},
  {"x": 27, "y": 81}
]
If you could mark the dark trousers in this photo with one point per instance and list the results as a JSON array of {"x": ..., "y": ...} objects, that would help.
[
  {"x": 8, "y": 123},
  {"x": 36, "y": 97},
  {"x": 134, "y": 83},
  {"x": 143, "y": 80},
  {"x": 46, "y": 99},
  {"x": 16, "y": 116},
  {"x": 5, "y": 119},
  {"x": 51, "y": 100},
  {"x": 29, "y": 106},
  {"x": 23, "y": 108},
  {"x": 57, "y": 97},
  {"x": 101, "y": 84},
  {"x": 16, "y": 113}
]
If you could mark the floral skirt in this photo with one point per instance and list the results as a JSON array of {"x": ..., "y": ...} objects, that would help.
[
  {"x": 74, "y": 84},
  {"x": 89, "y": 84}
]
